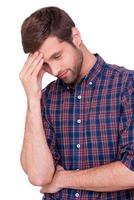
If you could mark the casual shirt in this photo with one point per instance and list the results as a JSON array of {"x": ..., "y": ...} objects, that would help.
[{"x": 91, "y": 125}]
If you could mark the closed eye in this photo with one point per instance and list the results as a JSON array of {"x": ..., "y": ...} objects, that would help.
[{"x": 57, "y": 57}]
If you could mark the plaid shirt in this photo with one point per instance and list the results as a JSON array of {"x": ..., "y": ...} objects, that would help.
[{"x": 91, "y": 125}]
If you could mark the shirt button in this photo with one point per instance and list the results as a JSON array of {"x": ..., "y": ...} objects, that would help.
[
  {"x": 79, "y": 121},
  {"x": 79, "y": 97},
  {"x": 77, "y": 194},
  {"x": 90, "y": 83},
  {"x": 78, "y": 145}
]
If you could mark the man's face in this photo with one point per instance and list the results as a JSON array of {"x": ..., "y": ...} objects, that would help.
[{"x": 61, "y": 59}]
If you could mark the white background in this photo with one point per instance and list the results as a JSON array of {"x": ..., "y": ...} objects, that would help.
[{"x": 107, "y": 27}]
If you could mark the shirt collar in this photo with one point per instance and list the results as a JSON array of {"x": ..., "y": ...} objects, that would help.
[
  {"x": 91, "y": 75},
  {"x": 95, "y": 70}
]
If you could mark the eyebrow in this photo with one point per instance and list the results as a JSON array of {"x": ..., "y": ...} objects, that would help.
[{"x": 55, "y": 54}]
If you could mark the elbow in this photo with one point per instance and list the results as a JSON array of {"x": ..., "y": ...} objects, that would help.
[
  {"x": 37, "y": 181},
  {"x": 23, "y": 165},
  {"x": 40, "y": 180}
]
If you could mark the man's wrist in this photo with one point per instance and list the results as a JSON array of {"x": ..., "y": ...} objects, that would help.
[
  {"x": 64, "y": 178},
  {"x": 62, "y": 175},
  {"x": 33, "y": 104}
]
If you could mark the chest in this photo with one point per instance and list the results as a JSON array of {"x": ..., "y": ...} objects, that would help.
[{"x": 96, "y": 107}]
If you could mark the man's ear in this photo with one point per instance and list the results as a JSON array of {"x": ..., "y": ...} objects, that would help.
[{"x": 76, "y": 37}]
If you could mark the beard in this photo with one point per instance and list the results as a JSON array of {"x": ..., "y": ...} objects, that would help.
[{"x": 74, "y": 72}]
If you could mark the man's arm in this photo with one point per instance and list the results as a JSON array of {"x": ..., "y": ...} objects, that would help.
[
  {"x": 36, "y": 158},
  {"x": 112, "y": 177}
]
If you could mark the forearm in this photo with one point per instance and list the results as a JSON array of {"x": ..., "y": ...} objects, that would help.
[
  {"x": 36, "y": 158},
  {"x": 111, "y": 177}
]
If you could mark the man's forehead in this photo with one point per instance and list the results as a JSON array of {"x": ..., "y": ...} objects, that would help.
[{"x": 50, "y": 46}]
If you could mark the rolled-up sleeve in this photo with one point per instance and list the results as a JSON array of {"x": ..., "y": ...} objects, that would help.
[
  {"x": 126, "y": 124},
  {"x": 49, "y": 132}
]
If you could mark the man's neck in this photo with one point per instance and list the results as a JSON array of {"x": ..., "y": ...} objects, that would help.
[{"x": 88, "y": 61}]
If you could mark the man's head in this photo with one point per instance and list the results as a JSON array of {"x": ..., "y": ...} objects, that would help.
[{"x": 51, "y": 31}]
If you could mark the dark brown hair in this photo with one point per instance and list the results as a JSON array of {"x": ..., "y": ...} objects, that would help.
[{"x": 45, "y": 22}]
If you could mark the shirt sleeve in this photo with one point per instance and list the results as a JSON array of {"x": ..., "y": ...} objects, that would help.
[
  {"x": 126, "y": 125},
  {"x": 49, "y": 133}
]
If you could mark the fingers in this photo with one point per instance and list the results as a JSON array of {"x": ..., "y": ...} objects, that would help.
[
  {"x": 36, "y": 62},
  {"x": 38, "y": 68},
  {"x": 45, "y": 189},
  {"x": 59, "y": 167},
  {"x": 29, "y": 61}
]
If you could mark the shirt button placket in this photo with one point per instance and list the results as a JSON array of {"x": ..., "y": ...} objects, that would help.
[
  {"x": 77, "y": 195},
  {"x": 78, "y": 121},
  {"x": 78, "y": 145},
  {"x": 90, "y": 83},
  {"x": 79, "y": 96}
]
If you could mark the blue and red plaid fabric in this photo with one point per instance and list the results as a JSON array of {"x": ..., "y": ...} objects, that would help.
[{"x": 91, "y": 125}]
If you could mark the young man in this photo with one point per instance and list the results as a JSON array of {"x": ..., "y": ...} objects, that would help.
[{"x": 79, "y": 131}]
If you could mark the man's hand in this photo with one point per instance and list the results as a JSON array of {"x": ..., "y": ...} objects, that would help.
[
  {"x": 31, "y": 76},
  {"x": 54, "y": 186}
]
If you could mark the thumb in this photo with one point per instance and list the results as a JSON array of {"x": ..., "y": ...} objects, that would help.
[{"x": 59, "y": 167}]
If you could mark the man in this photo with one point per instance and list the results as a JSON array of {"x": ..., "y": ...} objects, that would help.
[{"x": 79, "y": 131}]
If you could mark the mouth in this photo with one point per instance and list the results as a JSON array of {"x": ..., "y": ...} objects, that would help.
[{"x": 63, "y": 74}]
